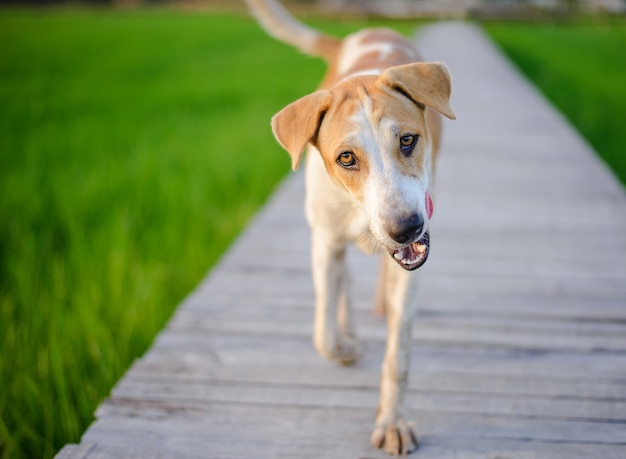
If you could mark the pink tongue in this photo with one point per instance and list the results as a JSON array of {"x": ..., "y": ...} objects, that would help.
[{"x": 429, "y": 205}]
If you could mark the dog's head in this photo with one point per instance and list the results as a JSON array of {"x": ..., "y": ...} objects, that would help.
[{"x": 374, "y": 139}]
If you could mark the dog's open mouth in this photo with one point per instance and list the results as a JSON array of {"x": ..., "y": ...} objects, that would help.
[{"x": 414, "y": 255}]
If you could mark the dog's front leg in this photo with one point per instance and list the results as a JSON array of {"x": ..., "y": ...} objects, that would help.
[
  {"x": 392, "y": 431},
  {"x": 333, "y": 334}
]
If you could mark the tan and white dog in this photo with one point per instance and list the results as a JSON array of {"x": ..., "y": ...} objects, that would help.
[{"x": 373, "y": 134}]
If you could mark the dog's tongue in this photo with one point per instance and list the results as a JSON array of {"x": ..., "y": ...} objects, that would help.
[
  {"x": 429, "y": 205},
  {"x": 413, "y": 255}
]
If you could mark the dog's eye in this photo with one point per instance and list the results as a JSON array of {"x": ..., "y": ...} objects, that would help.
[
  {"x": 346, "y": 159},
  {"x": 407, "y": 143}
]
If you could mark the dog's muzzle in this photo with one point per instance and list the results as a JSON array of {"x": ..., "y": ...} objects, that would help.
[{"x": 413, "y": 255}]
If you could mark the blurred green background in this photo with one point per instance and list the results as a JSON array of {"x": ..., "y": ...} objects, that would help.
[{"x": 135, "y": 145}]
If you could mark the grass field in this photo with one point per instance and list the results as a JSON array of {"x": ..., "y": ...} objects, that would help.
[
  {"x": 581, "y": 67},
  {"x": 133, "y": 147}
]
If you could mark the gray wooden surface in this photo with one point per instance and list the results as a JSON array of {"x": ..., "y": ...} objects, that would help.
[{"x": 520, "y": 339}]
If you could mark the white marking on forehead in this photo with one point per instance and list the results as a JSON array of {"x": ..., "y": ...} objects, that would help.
[
  {"x": 353, "y": 50},
  {"x": 389, "y": 191},
  {"x": 363, "y": 129},
  {"x": 369, "y": 72}
]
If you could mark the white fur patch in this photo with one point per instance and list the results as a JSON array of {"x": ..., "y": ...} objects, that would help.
[
  {"x": 353, "y": 50},
  {"x": 370, "y": 72}
]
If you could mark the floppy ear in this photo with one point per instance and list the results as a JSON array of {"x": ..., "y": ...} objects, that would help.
[
  {"x": 298, "y": 123},
  {"x": 426, "y": 83}
]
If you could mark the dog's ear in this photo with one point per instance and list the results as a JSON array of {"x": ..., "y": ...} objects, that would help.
[
  {"x": 298, "y": 123},
  {"x": 425, "y": 83}
]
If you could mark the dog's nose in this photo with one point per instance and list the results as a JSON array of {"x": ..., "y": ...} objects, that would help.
[{"x": 406, "y": 229}]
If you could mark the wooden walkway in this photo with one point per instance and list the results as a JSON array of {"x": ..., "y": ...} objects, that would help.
[{"x": 519, "y": 344}]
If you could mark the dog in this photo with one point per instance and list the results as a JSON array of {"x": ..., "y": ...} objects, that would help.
[{"x": 373, "y": 133}]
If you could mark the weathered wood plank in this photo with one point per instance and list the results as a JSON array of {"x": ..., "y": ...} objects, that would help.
[
  {"x": 294, "y": 283},
  {"x": 611, "y": 412},
  {"x": 264, "y": 315},
  {"x": 541, "y": 310},
  {"x": 249, "y": 350},
  {"x": 214, "y": 430},
  {"x": 570, "y": 337},
  {"x": 194, "y": 367}
]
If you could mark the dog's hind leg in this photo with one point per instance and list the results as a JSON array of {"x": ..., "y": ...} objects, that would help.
[{"x": 333, "y": 333}]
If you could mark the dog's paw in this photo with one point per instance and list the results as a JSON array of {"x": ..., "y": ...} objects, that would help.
[
  {"x": 344, "y": 349},
  {"x": 348, "y": 350},
  {"x": 395, "y": 438}
]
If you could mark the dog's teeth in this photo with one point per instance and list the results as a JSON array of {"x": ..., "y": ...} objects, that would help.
[{"x": 398, "y": 255}]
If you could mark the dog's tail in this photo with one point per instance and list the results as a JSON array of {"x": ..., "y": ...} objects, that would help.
[{"x": 280, "y": 24}]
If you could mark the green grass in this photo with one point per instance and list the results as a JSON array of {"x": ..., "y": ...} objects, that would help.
[
  {"x": 581, "y": 67},
  {"x": 133, "y": 147}
]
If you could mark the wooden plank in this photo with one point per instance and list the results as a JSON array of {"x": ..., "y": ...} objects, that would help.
[
  {"x": 192, "y": 366},
  {"x": 285, "y": 351},
  {"x": 475, "y": 383},
  {"x": 612, "y": 412},
  {"x": 249, "y": 282},
  {"x": 263, "y": 316},
  {"x": 501, "y": 334},
  {"x": 542, "y": 310},
  {"x": 215, "y": 430}
]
